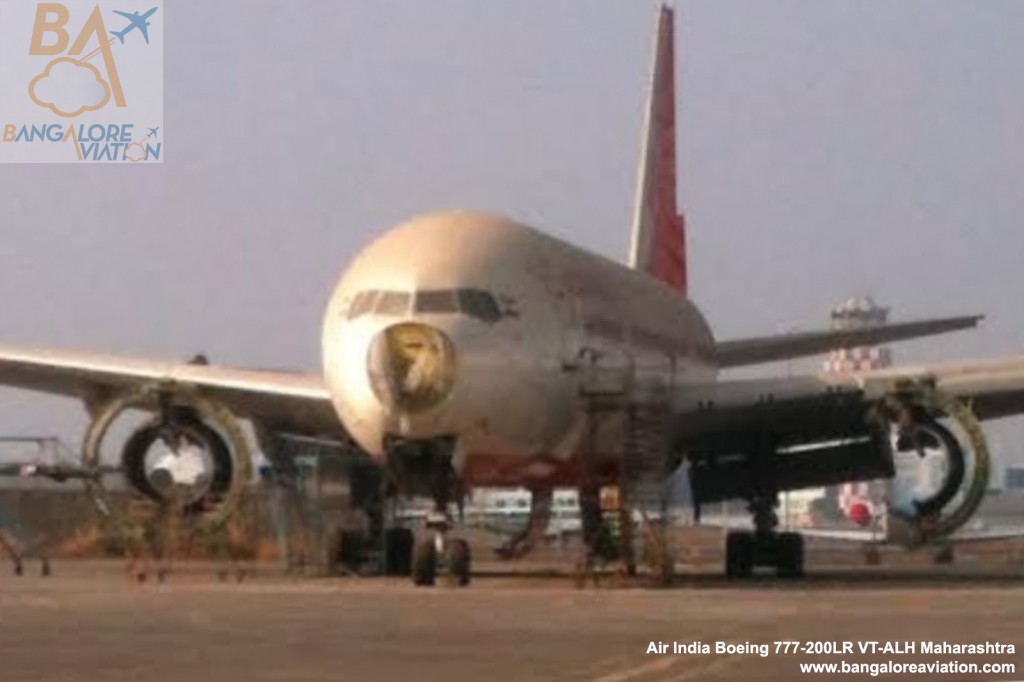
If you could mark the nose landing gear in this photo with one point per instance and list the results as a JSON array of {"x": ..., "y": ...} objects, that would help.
[
  {"x": 435, "y": 552},
  {"x": 425, "y": 468}
]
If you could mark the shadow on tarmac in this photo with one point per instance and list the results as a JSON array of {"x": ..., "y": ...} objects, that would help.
[{"x": 824, "y": 579}]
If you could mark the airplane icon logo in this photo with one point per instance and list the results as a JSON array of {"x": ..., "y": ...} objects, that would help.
[
  {"x": 137, "y": 21},
  {"x": 152, "y": 131}
]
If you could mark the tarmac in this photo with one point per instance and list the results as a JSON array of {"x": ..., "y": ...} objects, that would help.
[{"x": 90, "y": 622}]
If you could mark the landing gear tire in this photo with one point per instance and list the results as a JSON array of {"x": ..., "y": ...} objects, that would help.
[
  {"x": 872, "y": 557},
  {"x": 424, "y": 562},
  {"x": 459, "y": 561},
  {"x": 398, "y": 551},
  {"x": 789, "y": 555},
  {"x": 744, "y": 550},
  {"x": 739, "y": 554},
  {"x": 945, "y": 556}
]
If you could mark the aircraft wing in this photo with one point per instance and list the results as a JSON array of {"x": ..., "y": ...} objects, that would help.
[
  {"x": 126, "y": 15},
  {"x": 291, "y": 400},
  {"x": 815, "y": 423},
  {"x": 993, "y": 387},
  {"x": 761, "y": 349}
]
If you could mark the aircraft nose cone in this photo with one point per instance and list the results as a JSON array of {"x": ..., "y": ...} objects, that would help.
[{"x": 411, "y": 366}]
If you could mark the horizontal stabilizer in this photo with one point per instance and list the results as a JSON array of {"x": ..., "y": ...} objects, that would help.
[{"x": 761, "y": 349}]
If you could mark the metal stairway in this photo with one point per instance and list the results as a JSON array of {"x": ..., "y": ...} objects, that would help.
[
  {"x": 637, "y": 515},
  {"x": 643, "y": 484}
]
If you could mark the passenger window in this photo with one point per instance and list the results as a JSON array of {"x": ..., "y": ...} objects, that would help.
[
  {"x": 479, "y": 304},
  {"x": 362, "y": 304},
  {"x": 393, "y": 303},
  {"x": 436, "y": 301}
]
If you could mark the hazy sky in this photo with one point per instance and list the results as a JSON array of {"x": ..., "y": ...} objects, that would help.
[{"x": 826, "y": 149}]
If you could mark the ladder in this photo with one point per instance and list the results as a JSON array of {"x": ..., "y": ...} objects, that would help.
[
  {"x": 638, "y": 513},
  {"x": 644, "y": 474}
]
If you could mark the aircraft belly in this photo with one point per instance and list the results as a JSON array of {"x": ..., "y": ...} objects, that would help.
[
  {"x": 485, "y": 469},
  {"x": 562, "y": 465}
]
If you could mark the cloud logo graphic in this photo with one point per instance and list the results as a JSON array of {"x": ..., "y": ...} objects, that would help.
[
  {"x": 136, "y": 152},
  {"x": 69, "y": 87}
]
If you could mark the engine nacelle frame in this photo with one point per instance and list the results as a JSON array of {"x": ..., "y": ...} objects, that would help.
[
  {"x": 920, "y": 401},
  {"x": 161, "y": 398}
]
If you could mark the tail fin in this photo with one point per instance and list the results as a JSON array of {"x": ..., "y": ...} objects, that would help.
[
  {"x": 120, "y": 36},
  {"x": 659, "y": 233}
]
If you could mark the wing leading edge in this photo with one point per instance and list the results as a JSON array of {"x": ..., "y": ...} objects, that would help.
[
  {"x": 297, "y": 400},
  {"x": 756, "y": 350},
  {"x": 993, "y": 388}
]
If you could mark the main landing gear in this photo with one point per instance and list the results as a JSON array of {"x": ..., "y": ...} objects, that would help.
[{"x": 747, "y": 550}]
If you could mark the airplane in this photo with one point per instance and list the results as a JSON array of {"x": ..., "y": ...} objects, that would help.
[
  {"x": 464, "y": 350},
  {"x": 47, "y": 458},
  {"x": 152, "y": 131},
  {"x": 888, "y": 529},
  {"x": 881, "y": 514},
  {"x": 508, "y": 513},
  {"x": 138, "y": 21}
]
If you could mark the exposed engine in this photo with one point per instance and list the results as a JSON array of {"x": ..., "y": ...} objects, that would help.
[
  {"x": 189, "y": 452},
  {"x": 942, "y": 467},
  {"x": 197, "y": 457}
]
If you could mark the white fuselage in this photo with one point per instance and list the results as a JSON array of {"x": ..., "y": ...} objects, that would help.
[{"x": 503, "y": 369}]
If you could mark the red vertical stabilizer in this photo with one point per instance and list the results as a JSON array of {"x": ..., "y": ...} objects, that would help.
[{"x": 658, "y": 244}]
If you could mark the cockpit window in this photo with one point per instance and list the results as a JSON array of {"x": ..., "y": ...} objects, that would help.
[
  {"x": 393, "y": 303},
  {"x": 436, "y": 301},
  {"x": 479, "y": 304},
  {"x": 472, "y": 302},
  {"x": 362, "y": 304}
]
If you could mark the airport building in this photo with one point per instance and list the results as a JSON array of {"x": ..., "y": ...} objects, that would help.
[{"x": 858, "y": 312}]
